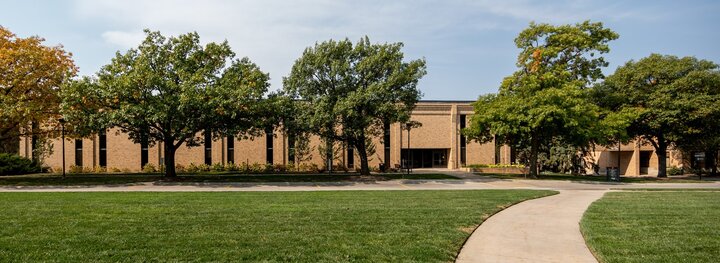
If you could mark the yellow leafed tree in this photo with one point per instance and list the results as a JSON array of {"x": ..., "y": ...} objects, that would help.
[{"x": 30, "y": 77}]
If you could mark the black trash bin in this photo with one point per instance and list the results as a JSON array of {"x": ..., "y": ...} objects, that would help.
[{"x": 613, "y": 174}]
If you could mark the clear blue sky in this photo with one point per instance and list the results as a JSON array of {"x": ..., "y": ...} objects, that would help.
[{"x": 468, "y": 44}]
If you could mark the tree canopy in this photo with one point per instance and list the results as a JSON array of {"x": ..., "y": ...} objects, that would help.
[
  {"x": 168, "y": 90},
  {"x": 348, "y": 92},
  {"x": 30, "y": 78},
  {"x": 676, "y": 100},
  {"x": 547, "y": 99}
]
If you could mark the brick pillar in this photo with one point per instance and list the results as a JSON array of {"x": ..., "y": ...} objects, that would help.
[
  {"x": 636, "y": 158},
  {"x": 453, "y": 155}
]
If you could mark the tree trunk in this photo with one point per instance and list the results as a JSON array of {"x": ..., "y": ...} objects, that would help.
[
  {"x": 169, "y": 159},
  {"x": 362, "y": 151},
  {"x": 662, "y": 157},
  {"x": 534, "y": 145}
]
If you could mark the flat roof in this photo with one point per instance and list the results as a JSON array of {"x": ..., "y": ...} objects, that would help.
[{"x": 447, "y": 101}]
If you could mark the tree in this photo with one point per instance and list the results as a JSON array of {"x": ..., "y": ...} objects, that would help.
[
  {"x": 664, "y": 91},
  {"x": 699, "y": 97},
  {"x": 349, "y": 91},
  {"x": 30, "y": 77},
  {"x": 546, "y": 100},
  {"x": 168, "y": 90}
]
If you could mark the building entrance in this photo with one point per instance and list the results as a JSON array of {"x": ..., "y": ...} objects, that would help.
[{"x": 424, "y": 158}]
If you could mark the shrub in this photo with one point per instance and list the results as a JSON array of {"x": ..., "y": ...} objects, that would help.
[
  {"x": 217, "y": 167},
  {"x": 115, "y": 170},
  {"x": 673, "y": 170},
  {"x": 290, "y": 167},
  {"x": 100, "y": 169},
  {"x": 231, "y": 167},
  {"x": 15, "y": 164},
  {"x": 149, "y": 168},
  {"x": 88, "y": 169},
  {"x": 279, "y": 168},
  {"x": 75, "y": 169},
  {"x": 179, "y": 168},
  {"x": 496, "y": 166}
]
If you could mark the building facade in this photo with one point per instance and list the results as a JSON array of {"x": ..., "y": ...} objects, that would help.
[{"x": 437, "y": 143}]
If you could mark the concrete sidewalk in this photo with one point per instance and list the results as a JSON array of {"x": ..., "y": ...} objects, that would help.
[{"x": 540, "y": 230}]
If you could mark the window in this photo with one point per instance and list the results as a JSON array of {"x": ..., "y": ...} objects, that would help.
[
  {"x": 291, "y": 148},
  {"x": 269, "y": 145},
  {"x": 350, "y": 157},
  {"x": 513, "y": 154},
  {"x": 144, "y": 145},
  {"x": 645, "y": 158},
  {"x": 463, "y": 142},
  {"x": 231, "y": 149},
  {"x": 79, "y": 153},
  {"x": 208, "y": 148},
  {"x": 102, "y": 141},
  {"x": 34, "y": 142},
  {"x": 498, "y": 146},
  {"x": 386, "y": 144}
]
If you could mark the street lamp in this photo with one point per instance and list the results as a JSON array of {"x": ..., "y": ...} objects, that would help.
[
  {"x": 62, "y": 132},
  {"x": 408, "y": 126}
]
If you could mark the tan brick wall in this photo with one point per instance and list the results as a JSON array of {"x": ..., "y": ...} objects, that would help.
[
  {"x": 630, "y": 159},
  {"x": 440, "y": 130}
]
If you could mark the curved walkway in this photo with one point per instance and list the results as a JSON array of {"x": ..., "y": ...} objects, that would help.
[{"x": 539, "y": 230}]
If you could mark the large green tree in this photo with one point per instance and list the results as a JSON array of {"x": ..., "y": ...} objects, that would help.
[
  {"x": 698, "y": 95},
  {"x": 167, "y": 91},
  {"x": 674, "y": 98},
  {"x": 31, "y": 74},
  {"x": 348, "y": 92},
  {"x": 546, "y": 100}
]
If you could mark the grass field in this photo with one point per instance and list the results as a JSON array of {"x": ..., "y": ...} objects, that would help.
[
  {"x": 569, "y": 177},
  {"x": 366, "y": 226},
  {"x": 657, "y": 226},
  {"x": 114, "y": 179}
]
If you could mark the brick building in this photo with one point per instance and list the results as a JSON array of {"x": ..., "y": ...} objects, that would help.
[{"x": 437, "y": 143}]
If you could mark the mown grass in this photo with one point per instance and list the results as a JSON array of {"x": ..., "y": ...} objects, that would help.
[
  {"x": 594, "y": 178},
  {"x": 119, "y": 179},
  {"x": 660, "y": 226},
  {"x": 365, "y": 226}
]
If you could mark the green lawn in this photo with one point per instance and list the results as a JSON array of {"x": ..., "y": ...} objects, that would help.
[
  {"x": 660, "y": 226},
  {"x": 592, "y": 178},
  {"x": 113, "y": 179},
  {"x": 367, "y": 226}
]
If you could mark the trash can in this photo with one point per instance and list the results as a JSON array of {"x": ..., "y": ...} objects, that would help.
[{"x": 613, "y": 174}]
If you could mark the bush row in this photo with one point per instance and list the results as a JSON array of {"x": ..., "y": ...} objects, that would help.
[
  {"x": 496, "y": 166},
  {"x": 218, "y": 167}
]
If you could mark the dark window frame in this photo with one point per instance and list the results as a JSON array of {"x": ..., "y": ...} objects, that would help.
[
  {"x": 230, "y": 149},
  {"x": 144, "y": 149},
  {"x": 269, "y": 140},
  {"x": 208, "y": 148},
  {"x": 463, "y": 141},
  {"x": 386, "y": 144},
  {"x": 291, "y": 148},
  {"x": 102, "y": 149},
  {"x": 79, "y": 152}
]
